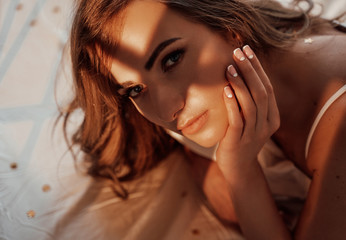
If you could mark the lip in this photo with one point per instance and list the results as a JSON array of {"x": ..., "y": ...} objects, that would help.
[{"x": 194, "y": 125}]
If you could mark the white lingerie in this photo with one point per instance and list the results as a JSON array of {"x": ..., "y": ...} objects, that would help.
[{"x": 323, "y": 110}]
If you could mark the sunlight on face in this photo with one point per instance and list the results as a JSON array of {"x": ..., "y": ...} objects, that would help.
[{"x": 173, "y": 70}]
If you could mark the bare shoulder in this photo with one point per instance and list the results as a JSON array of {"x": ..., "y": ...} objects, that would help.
[
  {"x": 329, "y": 139},
  {"x": 323, "y": 214},
  {"x": 330, "y": 133}
]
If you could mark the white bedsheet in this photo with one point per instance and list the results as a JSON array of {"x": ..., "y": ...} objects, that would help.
[{"x": 40, "y": 190}]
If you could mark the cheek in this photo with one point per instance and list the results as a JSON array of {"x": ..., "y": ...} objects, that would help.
[
  {"x": 217, "y": 125},
  {"x": 139, "y": 108},
  {"x": 212, "y": 63},
  {"x": 144, "y": 110},
  {"x": 213, "y": 75},
  {"x": 149, "y": 112}
]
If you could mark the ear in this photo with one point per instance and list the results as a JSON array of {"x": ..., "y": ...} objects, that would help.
[{"x": 235, "y": 38}]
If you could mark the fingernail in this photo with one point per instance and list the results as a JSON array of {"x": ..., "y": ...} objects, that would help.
[
  {"x": 228, "y": 92},
  {"x": 239, "y": 54},
  {"x": 248, "y": 51},
  {"x": 232, "y": 71}
]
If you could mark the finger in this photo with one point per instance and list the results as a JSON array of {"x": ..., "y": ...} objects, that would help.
[
  {"x": 273, "y": 112},
  {"x": 255, "y": 86},
  {"x": 234, "y": 116},
  {"x": 244, "y": 98}
]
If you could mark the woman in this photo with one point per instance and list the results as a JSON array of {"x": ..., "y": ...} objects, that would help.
[{"x": 221, "y": 73}]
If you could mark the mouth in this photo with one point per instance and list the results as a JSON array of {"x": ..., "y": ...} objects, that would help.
[{"x": 194, "y": 125}]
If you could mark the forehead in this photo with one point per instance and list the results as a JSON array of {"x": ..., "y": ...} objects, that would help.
[
  {"x": 137, "y": 30},
  {"x": 144, "y": 24},
  {"x": 142, "y": 20}
]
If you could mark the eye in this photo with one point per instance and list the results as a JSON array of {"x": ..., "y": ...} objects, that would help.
[
  {"x": 133, "y": 92},
  {"x": 172, "y": 59}
]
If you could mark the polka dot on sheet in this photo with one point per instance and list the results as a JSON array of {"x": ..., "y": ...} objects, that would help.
[
  {"x": 19, "y": 7},
  {"x": 56, "y": 9},
  {"x": 13, "y": 165},
  {"x": 31, "y": 213},
  {"x": 33, "y": 23},
  {"x": 46, "y": 188}
]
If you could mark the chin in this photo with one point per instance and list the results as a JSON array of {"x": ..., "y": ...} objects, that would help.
[
  {"x": 206, "y": 139},
  {"x": 206, "y": 144}
]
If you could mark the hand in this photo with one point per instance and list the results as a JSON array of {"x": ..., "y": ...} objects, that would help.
[{"x": 252, "y": 112}]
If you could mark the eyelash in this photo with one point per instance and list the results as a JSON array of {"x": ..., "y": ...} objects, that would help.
[
  {"x": 164, "y": 61},
  {"x": 134, "y": 88}
]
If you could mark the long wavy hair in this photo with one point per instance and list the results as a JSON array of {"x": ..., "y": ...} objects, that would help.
[{"x": 119, "y": 142}]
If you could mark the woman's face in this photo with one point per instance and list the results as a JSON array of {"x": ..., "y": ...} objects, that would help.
[{"x": 173, "y": 70}]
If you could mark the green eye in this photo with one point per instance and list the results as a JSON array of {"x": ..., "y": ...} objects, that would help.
[
  {"x": 133, "y": 92},
  {"x": 172, "y": 59}
]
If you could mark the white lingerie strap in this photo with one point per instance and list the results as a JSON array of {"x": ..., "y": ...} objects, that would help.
[{"x": 330, "y": 101}]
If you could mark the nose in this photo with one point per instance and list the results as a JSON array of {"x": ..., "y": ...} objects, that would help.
[{"x": 169, "y": 102}]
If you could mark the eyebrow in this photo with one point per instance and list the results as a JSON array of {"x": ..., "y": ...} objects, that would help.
[{"x": 156, "y": 52}]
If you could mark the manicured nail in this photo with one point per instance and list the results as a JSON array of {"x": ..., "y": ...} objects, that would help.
[
  {"x": 248, "y": 51},
  {"x": 239, "y": 54},
  {"x": 232, "y": 71},
  {"x": 228, "y": 92}
]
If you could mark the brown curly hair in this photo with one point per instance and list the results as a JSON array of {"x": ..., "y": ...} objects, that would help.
[{"x": 120, "y": 143}]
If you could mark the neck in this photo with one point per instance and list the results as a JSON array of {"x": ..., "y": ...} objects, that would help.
[{"x": 295, "y": 97}]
